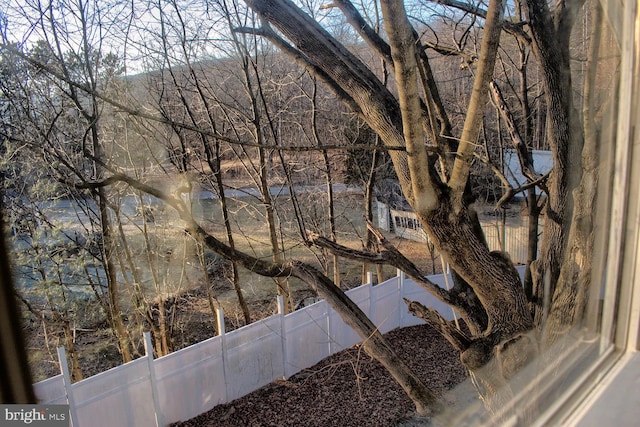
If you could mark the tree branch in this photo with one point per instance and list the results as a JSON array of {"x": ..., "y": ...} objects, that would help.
[
  {"x": 424, "y": 193},
  {"x": 513, "y": 28},
  {"x": 364, "y": 29},
  {"x": 511, "y": 192},
  {"x": 267, "y": 32},
  {"x": 524, "y": 157},
  {"x": 457, "y": 339},
  {"x": 391, "y": 256},
  {"x": 484, "y": 74}
]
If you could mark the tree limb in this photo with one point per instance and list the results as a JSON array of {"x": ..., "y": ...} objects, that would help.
[
  {"x": 513, "y": 28},
  {"x": 524, "y": 156},
  {"x": 484, "y": 74},
  {"x": 457, "y": 339},
  {"x": 267, "y": 32},
  {"x": 364, "y": 29},
  {"x": 388, "y": 257},
  {"x": 511, "y": 192},
  {"x": 403, "y": 51},
  {"x": 391, "y": 256}
]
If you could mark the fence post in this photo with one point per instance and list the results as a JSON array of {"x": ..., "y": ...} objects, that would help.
[
  {"x": 148, "y": 349},
  {"x": 223, "y": 344},
  {"x": 283, "y": 335},
  {"x": 369, "y": 286},
  {"x": 400, "y": 275},
  {"x": 68, "y": 387},
  {"x": 329, "y": 336}
]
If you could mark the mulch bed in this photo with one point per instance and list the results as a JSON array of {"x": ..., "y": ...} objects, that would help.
[{"x": 347, "y": 389}]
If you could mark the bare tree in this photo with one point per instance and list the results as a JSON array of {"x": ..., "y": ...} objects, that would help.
[
  {"x": 498, "y": 317},
  {"x": 73, "y": 115}
]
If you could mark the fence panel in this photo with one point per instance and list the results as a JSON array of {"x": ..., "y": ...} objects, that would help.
[
  {"x": 307, "y": 337},
  {"x": 361, "y": 296},
  {"x": 120, "y": 396},
  {"x": 51, "y": 391},
  {"x": 407, "y": 226},
  {"x": 517, "y": 243},
  {"x": 413, "y": 292},
  {"x": 191, "y": 381},
  {"x": 253, "y": 356},
  {"x": 385, "y": 311},
  {"x": 515, "y": 236},
  {"x": 341, "y": 335},
  {"x": 515, "y": 239}
]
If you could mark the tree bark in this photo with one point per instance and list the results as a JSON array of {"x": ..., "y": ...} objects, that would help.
[
  {"x": 479, "y": 97},
  {"x": 570, "y": 300},
  {"x": 551, "y": 48}
]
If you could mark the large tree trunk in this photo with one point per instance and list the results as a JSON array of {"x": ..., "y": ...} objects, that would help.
[
  {"x": 551, "y": 47},
  {"x": 570, "y": 300},
  {"x": 440, "y": 206}
]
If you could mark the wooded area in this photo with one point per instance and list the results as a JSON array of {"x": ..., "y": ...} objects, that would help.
[{"x": 132, "y": 115}]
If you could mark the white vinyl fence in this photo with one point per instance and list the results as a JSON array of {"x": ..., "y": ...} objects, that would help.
[
  {"x": 188, "y": 382},
  {"x": 510, "y": 238}
]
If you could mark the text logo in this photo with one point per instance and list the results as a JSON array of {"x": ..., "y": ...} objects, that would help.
[{"x": 34, "y": 415}]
